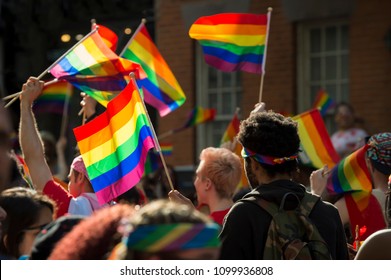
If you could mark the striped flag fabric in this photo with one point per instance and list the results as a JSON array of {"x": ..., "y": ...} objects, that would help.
[
  {"x": 323, "y": 102},
  {"x": 166, "y": 148},
  {"x": 317, "y": 149},
  {"x": 95, "y": 69},
  {"x": 350, "y": 174},
  {"x": 108, "y": 36},
  {"x": 351, "y": 177},
  {"x": 160, "y": 88},
  {"x": 53, "y": 98},
  {"x": 233, "y": 41},
  {"x": 199, "y": 115},
  {"x": 115, "y": 144}
]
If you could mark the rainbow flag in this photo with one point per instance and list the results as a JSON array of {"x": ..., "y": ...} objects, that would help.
[
  {"x": 323, "y": 102},
  {"x": 351, "y": 174},
  {"x": 166, "y": 148},
  {"x": 317, "y": 149},
  {"x": 233, "y": 42},
  {"x": 160, "y": 87},
  {"x": 197, "y": 116},
  {"x": 53, "y": 98},
  {"x": 23, "y": 168},
  {"x": 95, "y": 69},
  {"x": 115, "y": 144}
]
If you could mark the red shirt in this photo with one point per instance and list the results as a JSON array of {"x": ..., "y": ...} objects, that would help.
[{"x": 218, "y": 216}]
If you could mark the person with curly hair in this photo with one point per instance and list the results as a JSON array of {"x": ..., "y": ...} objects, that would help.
[
  {"x": 270, "y": 148},
  {"x": 94, "y": 236}
]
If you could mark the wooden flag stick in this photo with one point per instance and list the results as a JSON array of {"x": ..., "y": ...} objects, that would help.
[
  {"x": 157, "y": 145},
  {"x": 269, "y": 15},
  {"x": 16, "y": 95}
]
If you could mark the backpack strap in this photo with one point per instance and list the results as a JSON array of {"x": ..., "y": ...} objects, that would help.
[{"x": 307, "y": 203}]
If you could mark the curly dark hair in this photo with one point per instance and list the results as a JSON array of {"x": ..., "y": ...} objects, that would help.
[
  {"x": 93, "y": 237},
  {"x": 271, "y": 134}
]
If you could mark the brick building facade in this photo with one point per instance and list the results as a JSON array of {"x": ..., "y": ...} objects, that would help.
[{"x": 353, "y": 62}]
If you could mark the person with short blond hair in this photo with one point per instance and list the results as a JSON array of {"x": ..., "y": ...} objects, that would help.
[{"x": 217, "y": 176}]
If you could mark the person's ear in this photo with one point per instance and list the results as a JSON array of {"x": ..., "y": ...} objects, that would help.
[{"x": 80, "y": 177}]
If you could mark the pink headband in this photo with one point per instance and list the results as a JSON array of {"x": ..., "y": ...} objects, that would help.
[{"x": 78, "y": 165}]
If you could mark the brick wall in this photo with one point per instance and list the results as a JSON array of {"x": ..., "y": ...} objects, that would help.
[{"x": 370, "y": 67}]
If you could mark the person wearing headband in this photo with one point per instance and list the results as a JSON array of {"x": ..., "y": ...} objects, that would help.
[
  {"x": 168, "y": 230},
  {"x": 366, "y": 213},
  {"x": 270, "y": 149},
  {"x": 80, "y": 198}
]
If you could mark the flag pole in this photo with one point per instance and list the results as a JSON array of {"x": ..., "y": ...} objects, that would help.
[
  {"x": 15, "y": 96},
  {"x": 143, "y": 21},
  {"x": 155, "y": 139},
  {"x": 53, "y": 64},
  {"x": 269, "y": 15}
]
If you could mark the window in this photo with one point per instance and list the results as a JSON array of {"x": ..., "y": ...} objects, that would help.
[
  {"x": 219, "y": 90},
  {"x": 323, "y": 62}
]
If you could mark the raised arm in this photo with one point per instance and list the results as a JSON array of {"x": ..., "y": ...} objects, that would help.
[{"x": 29, "y": 138}]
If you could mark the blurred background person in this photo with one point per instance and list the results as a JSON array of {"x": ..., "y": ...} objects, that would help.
[{"x": 348, "y": 137}]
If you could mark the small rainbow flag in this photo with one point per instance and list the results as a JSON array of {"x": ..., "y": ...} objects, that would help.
[
  {"x": 115, "y": 144},
  {"x": 233, "y": 42},
  {"x": 350, "y": 174},
  {"x": 53, "y": 98},
  {"x": 161, "y": 89},
  {"x": 166, "y": 148},
  {"x": 23, "y": 168},
  {"x": 316, "y": 146},
  {"x": 197, "y": 116},
  {"x": 323, "y": 102},
  {"x": 95, "y": 69}
]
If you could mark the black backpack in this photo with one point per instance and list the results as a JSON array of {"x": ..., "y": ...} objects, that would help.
[{"x": 291, "y": 234}]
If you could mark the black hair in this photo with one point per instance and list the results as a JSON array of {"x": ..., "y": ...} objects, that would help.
[{"x": 271, "y": 134}]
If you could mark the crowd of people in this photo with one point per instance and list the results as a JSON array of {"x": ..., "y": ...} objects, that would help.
[{"x": 47, "y": 220}]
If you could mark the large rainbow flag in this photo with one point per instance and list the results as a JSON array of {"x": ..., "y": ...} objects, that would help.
[
  {"x": 316, "y": 146},
  {"x": 233, "y": 42},
  {"x": 95, "y": 69},
  {"x": 160, "y": 87},
  {"x": 115, "y": 144},
  {"x": 323, "y": 102},
  {"x": 53, "y": 98}
]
